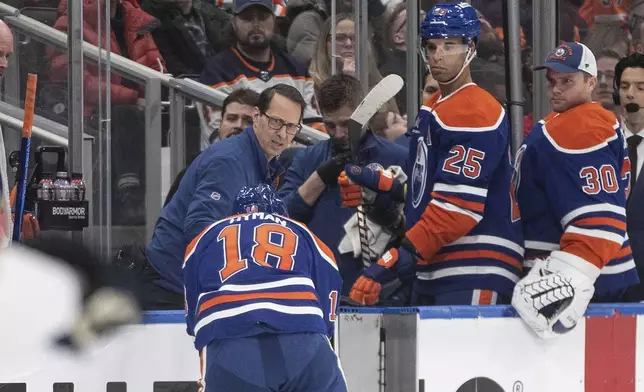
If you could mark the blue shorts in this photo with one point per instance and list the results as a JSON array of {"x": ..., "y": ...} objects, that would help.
[
  {"x": 299, "y": 362},
  {"x": 465, "y": 297}
]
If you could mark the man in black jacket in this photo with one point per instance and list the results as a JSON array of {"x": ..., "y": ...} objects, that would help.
[{"x": 190, "y": 32}]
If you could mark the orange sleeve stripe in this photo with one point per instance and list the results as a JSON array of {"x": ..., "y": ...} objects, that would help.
[
  {"x": 616, "y": 223},
  {"x": 438, "y": 227},
  {"x": 325, "y": 249},
  {"x": 624, "y": 252},
  {"x": 457, "y": 201},
  {"x": 475, "y": 254},
  {"x": 193, "y": 243},
  {"x": 594, "y": 250},
  {"x": 224, "y": 299}
]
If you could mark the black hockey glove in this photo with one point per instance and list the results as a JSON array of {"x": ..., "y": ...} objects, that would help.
[{"x": 330, "y": 170}]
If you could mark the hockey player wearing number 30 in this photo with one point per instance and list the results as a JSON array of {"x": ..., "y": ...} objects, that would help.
[
  {"x": 571, "y": 181},
  {"x": 458, "y": 210}
]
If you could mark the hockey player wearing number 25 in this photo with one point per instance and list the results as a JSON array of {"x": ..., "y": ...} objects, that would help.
[
  {"x": 261, "y": 295},
  {"x": 458, "y": 212},
  {"x": 572, "y": 178}
]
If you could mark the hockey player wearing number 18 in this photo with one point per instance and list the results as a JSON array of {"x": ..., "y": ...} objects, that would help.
[
  {"x": 571, "y": 181},
  {"x": 261, "y": 297},
  {"x": 458, "y": 207}
]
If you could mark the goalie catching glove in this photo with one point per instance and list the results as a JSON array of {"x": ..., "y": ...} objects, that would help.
[
  {"x": 555, "y": 294},
  {"x": 383, "y": 182}
]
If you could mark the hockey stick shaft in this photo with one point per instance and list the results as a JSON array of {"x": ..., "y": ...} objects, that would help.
[
  {"x": 25, "y": 146},
  {"x": 386, "y": 89}
]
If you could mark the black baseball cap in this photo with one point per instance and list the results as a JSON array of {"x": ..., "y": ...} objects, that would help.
[{"x": 241, "y": 5}]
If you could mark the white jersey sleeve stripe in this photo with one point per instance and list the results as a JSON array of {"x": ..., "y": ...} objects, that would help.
[
  {"x": 452, "y": 208},
  {"x": 605, "y": 207},
  {"x": 540, "y": 245},
  {"x": 618, "y": 268},
  {"x": 491, "y": 240},
  {"x": 601, "y": 234},
  {"x": 472, "y": 190}
]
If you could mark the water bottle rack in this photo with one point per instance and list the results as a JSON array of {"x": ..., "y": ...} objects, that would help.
[{"x": 62, "y": 215}]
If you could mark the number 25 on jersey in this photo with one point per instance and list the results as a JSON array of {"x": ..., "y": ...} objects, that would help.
[{"x": 464, "y": 161}]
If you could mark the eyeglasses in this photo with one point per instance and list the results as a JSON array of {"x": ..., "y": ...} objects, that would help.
[{"x": 277, "y": 124}]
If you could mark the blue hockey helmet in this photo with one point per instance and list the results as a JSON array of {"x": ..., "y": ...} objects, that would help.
[
  {"x": 451, "y": 20},
  {"x": 260, "y": 198}
]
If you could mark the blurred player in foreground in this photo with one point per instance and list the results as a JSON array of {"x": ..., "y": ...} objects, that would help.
[
  {"x": 461, "y": 226},
  {"x": 572, "y": 179},
  {"x": 262, "y": 293},
  {"x": 78, "y": 297}
]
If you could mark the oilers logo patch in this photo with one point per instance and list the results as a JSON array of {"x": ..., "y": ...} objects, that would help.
[
  {"x": 375, "y": 166},
  {"x": 419, "y": 173}
]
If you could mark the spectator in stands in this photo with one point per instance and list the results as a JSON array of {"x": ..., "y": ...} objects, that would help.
[
  {"x": 396, "y": 43},
  {"x": 603, "y": 93},
  {"x": 596, "y": 12},
  {"x": 236, "y": 115},
  {"x": 208, "y": 189},
  {"x": 131, "y": 38},
  {"x": 490, "y": 44},
  {"x": 307, "y": 20},
  {"x": 636, "y": 26},
  {"x": 609, "y": 35},
  {"x": 6, "y": 49},
  {"x": 311, "y": 190},
  {"x": 345, "y": 51},
  {"x": 191, "y": 31},
  {"x": 253, "y": 63}
]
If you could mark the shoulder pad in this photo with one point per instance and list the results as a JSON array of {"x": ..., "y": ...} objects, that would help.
[
  {"x": 585, "y": 128},
  {"x": 470, "y": 109}
]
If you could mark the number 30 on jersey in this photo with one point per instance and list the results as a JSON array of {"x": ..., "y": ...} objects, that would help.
[{"x": 599, "y": 179}]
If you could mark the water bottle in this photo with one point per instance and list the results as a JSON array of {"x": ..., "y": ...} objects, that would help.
[
  {"x": 62, "y": 186},
  {"x": 78, "y": 187},
  {"x": 45, "y": 188}
]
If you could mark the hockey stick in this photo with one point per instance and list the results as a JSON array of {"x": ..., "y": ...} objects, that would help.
[
  {"x": 381, "y": 93},
  {"x": 25, "y": 146}
]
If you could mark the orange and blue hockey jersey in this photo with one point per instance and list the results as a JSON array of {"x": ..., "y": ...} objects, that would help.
[
  {"x": 259, "y": 273},
  {"x": 459, "y": 211},
  {"x": 572, "y": 180}
]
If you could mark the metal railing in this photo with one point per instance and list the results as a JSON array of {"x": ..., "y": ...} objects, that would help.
[{"x": 180, "y": 89}]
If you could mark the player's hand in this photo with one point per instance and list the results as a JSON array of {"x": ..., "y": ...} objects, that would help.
[
  {"x": 376, "y": 180},
  {"x": 555, "y": 294},
  {"x": 366, "y": 290},
  {"x": 350, "y": 191},
  {"x": 330, "y": 170}
]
